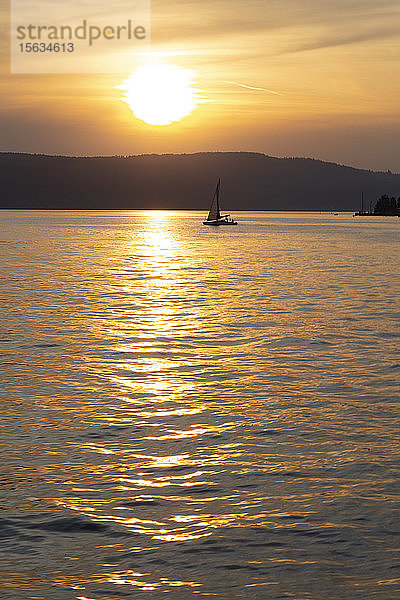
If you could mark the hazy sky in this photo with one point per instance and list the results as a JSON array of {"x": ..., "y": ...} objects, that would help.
[{"x": 327, "y": 75}]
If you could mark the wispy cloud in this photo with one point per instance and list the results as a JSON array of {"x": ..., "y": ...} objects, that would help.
[
  {"x": 252, "y": 87},
  {"x": 300, "y": 25}
]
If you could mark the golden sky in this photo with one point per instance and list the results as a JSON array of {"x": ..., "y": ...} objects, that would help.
[{"x": 287, "y": 78}]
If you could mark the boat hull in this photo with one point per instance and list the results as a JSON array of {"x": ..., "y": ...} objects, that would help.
[{"x": 218, "y": 223}]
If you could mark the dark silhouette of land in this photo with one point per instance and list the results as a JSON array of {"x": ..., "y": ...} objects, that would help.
[{"x": 250, "y": 181}]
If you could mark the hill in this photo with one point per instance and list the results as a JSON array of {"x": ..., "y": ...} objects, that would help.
[{"x": 250, "y": 181}]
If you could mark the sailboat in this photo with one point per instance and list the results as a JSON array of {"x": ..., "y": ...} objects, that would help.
[{"x": 214, "y": 216}]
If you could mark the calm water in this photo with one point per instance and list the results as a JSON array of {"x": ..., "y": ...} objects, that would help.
[{"x": 192, "y": 412}]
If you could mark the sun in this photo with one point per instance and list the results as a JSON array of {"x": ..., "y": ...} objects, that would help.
[{"x": 161, "y": 93}]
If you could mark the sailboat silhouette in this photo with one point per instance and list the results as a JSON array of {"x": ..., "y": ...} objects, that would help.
[{"x": 214, "y": 215}]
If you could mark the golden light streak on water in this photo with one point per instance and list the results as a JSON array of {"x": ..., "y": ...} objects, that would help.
[{"x": 200, "y": 413}]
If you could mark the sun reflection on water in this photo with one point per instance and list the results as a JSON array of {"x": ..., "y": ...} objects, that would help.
[
  {"x": 151, "y": 392},
  {"x": 199, "y": 408}
]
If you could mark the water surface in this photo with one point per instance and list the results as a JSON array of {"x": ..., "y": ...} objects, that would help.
[{"x": 191, "y": 412}]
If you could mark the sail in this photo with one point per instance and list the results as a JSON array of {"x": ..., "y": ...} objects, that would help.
[{"x": 214, "y": 213}]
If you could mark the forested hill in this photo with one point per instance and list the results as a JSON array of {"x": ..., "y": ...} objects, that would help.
[{"x": 250, "y": 181}]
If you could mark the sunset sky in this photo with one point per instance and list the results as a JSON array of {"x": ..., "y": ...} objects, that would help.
[{"x": 284, "y": 77}]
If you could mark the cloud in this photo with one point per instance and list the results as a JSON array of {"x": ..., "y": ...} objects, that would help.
[
  {"x": 306, "y": 25},
  {"x": 252, "y": 87}
]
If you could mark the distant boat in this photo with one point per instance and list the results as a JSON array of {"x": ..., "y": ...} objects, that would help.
[
  {"x": 362, "y": 212},
  {"x": 214, "y": 216}
]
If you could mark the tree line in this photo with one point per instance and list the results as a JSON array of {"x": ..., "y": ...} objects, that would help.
[{"x": 387, "y": 206}]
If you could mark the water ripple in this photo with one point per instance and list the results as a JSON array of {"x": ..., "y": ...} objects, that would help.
[{"x": 195, "y": 415}]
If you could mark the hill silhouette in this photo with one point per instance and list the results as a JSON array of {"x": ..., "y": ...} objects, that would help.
[{"x": 250, "y": 181}]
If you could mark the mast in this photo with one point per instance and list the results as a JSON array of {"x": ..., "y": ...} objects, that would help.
[
  {"x": 217, "y": 193},
  {"x": 214, "y": 213}
]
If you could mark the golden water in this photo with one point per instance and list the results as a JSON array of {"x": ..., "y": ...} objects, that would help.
[{"x": 192, "y": 412}]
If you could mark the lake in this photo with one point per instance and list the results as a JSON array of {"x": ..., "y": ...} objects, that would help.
[{"x": 196, "y": 412}]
